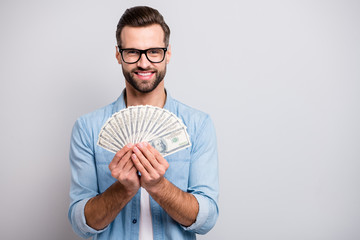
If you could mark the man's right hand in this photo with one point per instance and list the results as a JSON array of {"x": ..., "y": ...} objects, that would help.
[
  {"x": 102, "y": 209},
  {"x": 122, "y": 168}
]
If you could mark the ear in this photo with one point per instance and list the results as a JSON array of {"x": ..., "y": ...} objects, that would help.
[
  {"x": 117, "y": 54},
  {"x": 168, "y": 54}
]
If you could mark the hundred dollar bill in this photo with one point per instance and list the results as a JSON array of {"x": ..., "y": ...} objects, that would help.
[
  {"x": 125, "y": 116},
  {"x": 140, "y": 111},
  {"x": 109, "y": 134},
  {"x": 106, "y": 142},
  {"x": 161, "y": 121},
  {"x": 158, "y": 126},
  {"x": 144, "y": 110},
  {"x": 152, "y": 122},
  {"x": 171, "y": 123},
  {"x": 113, "y": 129},
  {"x": 132, "y": 122},
  {"x": 147, "y": 120},
  {"x": 121, "y": 127},
  {"x": 171, "y": 142}
]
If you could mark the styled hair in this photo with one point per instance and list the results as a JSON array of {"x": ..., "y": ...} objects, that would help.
[{"x": 142, "y": 16}]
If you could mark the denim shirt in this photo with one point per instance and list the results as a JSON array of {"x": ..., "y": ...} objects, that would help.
[{"x": 193, "y": 170}]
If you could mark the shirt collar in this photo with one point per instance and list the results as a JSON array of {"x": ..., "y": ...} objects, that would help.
[{"x": 120, "y": 102}]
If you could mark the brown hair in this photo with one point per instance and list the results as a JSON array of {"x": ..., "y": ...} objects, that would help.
[{"x": 142, "y": 16}]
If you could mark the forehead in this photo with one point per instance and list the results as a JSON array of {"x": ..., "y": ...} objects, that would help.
[{"x": 142, "y": 37}]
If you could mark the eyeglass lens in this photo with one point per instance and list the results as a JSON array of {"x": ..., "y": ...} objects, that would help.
[{"x": 154, "y": 55}]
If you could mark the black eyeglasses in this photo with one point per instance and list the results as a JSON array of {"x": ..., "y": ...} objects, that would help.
[{"x": 132, "y": 55}]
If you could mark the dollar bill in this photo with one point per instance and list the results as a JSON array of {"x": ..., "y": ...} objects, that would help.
[
  {"x": 151, "y": 123},
  {"x": 161, "y": 128},
  {"x": 171, "y": 142},
  {"x": 108, "y": 142}
]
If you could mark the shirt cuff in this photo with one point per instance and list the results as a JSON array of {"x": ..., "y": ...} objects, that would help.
[
  {"x": 80, "y": 216},
  {"x": 200, "y": 226}
]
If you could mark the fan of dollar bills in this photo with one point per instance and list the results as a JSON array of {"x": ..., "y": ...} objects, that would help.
[{"x": 157, "y": 126}]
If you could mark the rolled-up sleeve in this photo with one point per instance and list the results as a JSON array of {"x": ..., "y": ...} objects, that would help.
[
  {"x": 203, "y": 177},
  {"x": 83, "y": 184}
]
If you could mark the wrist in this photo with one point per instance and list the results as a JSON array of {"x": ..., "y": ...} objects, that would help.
[
  {"x": 126, "y": 190},
  {"x": 157, "y": 188}
]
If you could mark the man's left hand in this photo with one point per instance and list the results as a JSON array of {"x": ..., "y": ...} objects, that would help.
[{"x": 152, "y": 166}]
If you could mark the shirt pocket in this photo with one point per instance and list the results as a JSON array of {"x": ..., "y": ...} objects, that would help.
[{"x": 178, "y": 171}]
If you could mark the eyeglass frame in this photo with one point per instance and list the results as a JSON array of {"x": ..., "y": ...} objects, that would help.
[{"x": 141, "y": 53}]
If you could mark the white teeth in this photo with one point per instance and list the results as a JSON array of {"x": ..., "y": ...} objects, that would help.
[{"x": 144, "y": 74}]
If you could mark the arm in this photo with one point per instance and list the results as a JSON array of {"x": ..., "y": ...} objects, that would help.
[
  {"x": 203, "y": 182},
  {"x": 84, "y": 184},
  {"x": 102, "y": 209},
  {"x": 181, "y": 206}
]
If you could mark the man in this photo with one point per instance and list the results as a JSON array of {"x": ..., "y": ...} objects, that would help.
[{"x": 138, "y": 194}]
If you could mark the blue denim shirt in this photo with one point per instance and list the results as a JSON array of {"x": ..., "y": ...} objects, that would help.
[{"x": 193, "y": 170}]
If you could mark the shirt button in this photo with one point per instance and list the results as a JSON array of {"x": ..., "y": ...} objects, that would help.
[{"x": 134, "y": 221}]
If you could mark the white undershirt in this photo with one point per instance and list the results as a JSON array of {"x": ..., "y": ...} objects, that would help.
[{"x": 145, "y": 226}]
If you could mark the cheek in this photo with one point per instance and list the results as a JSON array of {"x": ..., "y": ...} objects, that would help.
[{"x": 125, "y": 68}]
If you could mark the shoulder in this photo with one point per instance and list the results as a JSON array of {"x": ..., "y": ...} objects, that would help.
[
  {"x": 186, "y": 111},
  {"x": 193, "y": 118},
  {"x": 92, "y": 122},
  {"x": 199, "y": 126}
]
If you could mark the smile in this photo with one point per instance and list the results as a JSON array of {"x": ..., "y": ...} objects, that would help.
[{"x": 144, "y": 74}]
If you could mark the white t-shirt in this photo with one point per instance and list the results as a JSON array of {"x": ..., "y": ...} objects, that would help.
[{"x": 145, "y": 226}]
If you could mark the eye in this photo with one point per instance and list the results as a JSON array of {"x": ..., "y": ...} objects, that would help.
[
  {"x": 155, "y": 51},
  {"x": 132, "y": 52}
]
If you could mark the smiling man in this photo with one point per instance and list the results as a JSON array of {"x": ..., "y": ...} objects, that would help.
[{"x": 137, "y": 193}]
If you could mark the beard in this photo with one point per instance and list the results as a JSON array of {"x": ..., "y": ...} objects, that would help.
[{"x": 144, "y": 86}]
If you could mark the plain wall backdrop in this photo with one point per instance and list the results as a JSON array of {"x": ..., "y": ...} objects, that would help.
[{"x": 280, "y": 79}]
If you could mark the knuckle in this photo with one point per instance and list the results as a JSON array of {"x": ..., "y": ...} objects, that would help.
[
  {"x": 161, "y": 172},
  {"x": 156, "y": 176},
  {"x": 121, "y": 178},
  {"x": 114, "y": 174},
  {"x": 118, "y": 154}
]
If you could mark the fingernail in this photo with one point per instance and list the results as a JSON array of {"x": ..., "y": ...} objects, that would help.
[
  {"x": 129, "y": 145},
  {"x": 133, "y": 156},
  {"x": 136, "y": 149},
  {"x": 140, "y": 144}
]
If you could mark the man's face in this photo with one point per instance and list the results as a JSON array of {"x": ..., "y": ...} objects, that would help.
[{"x": 143, "y": 75}]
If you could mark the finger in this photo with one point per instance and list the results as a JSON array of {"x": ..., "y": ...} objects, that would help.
[
  {"x": 129, "y": 165},
  {"x": 124, "y": 159},
  {"x": 138, "y": 165},
  {"x": 119, "y": 155},
  {"x": 148, "y": 155},
  {"x": 143, "y": 160},
  {"x": 157, "y": 155},
  {"x": 124, "y": 166}
]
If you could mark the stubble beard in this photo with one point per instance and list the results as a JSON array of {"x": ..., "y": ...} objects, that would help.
[{"x": 144, "y": 86}]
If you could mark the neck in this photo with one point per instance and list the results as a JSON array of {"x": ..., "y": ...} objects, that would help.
[{"x": 157, "y": 97}]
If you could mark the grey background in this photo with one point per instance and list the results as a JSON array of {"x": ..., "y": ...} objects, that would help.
[{"x": 279, "y": 78}]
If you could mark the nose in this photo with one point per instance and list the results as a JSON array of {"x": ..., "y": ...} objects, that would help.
[{"x": 143, "y": 61}]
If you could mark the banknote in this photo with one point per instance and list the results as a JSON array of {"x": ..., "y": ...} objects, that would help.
[
  {"x": 160, "y": 127},
  {"x": 171, "y": 142}
]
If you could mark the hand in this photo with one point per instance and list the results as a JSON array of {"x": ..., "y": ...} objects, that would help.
[
  {"x": 123, "y": 169},
  {"x": 152, "y": 166}
]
